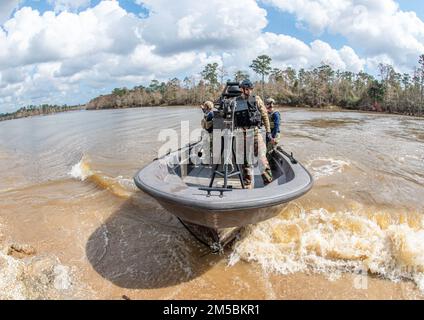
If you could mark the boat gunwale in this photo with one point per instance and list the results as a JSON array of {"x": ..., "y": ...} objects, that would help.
[{"x": 239, "y": 204}]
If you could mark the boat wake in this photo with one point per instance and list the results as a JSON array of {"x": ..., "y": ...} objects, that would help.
[
  {"x": 316, "y": 240},
  {"x": 119, "y": 186},
  {"x": 319, "y": 241},
  {"x": 323, "y": 167},
  {"x": 81, "y": 171}
]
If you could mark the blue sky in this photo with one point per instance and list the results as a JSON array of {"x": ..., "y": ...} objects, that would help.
[
  {"x": 412, "y": 5},
  {"x": 99, "y": 45},
  {"x": 285, "y": 23}
]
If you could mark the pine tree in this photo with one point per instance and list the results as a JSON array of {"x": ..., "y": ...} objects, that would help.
[{"x": 262, "y": 66}]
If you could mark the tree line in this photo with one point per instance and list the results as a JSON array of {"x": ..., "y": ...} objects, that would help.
[
  {"x": 32, "y": 110},
  {"x": 320, "y": 86}
]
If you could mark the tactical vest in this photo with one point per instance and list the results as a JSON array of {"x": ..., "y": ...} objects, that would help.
[
  {"x": 207, "y": 125},
  {"x": 247, "y": 113},
  {"x": 271, "y": 119}
]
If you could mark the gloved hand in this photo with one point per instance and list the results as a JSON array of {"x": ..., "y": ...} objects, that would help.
[{"x": 268, "y": 137}]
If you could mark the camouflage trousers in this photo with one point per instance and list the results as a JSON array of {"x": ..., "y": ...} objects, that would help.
[{"x": 260, "y": 151}]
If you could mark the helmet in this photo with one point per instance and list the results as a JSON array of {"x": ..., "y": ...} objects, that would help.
[
  {"x": 270, "y": 101},
  {"x": 246, "y": 84}
]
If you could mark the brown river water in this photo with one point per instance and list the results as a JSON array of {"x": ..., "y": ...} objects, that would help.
[{"x": 74, "y": 226}]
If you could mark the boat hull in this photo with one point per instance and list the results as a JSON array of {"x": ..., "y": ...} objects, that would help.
[
  {"x": 216, "y": 239},
  {"x": 215, "y": 219}
]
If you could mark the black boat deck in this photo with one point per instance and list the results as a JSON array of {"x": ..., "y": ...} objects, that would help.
[{"x": 200, "y": 176}]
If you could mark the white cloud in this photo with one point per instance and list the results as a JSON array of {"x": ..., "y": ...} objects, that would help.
[
  {"x": 70, "y": 57},
  {"x": 43, "y": 54},
  {"x": 34, "y": 38},
  {"x": 175, "y": 26},
  {"x": 378, "y": 27},
  {"x": 287, "y": 51}
]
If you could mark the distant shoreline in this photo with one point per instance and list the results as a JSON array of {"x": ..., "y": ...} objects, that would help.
[
  {"x": 39, "y": 111},
  {"x": 13, "y": 116}
]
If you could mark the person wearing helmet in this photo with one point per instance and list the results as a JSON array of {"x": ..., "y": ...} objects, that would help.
[
  {"x": 260, "y": 114},
  {"x": 247, "y": 88},
  {"x": 275, "y": 121}
]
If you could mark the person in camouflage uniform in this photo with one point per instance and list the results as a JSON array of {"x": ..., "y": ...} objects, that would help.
[
  {"x": 207, "y": 125},
  {"x": 259, "y": 143}
]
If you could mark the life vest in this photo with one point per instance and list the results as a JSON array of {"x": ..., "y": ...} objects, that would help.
[
  {"x": 271, "y": 119},
  {"x": 207, "y": 124},
  {"x": 247, "y": 113}
]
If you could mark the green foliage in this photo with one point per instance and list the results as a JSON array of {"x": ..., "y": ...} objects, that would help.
[
  {"x": 240, "y": 75},
  {"x": 210, "y": 74},
  {"x": 376, "y": 91},
  {"x": 262, "y": 66},
  {"x": 120, "y": 91}
]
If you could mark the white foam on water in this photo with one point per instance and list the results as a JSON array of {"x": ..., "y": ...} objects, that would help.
[
  {"x": 323, "y": 167},
  {"x": 62, "y": 279},
  {"x": 81, "y": 171},
  {"x": 39, "y": 277},
  {"x": 127, "y": 183},
  {"x": 10, "y": 288},
  {"x": 334, "y": 242},
  {"x": 31, "y": 276}
]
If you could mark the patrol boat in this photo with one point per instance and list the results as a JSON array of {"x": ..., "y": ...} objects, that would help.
[
  {"x": 216, "y": 215},
  {"x": 211, "y": 201}
]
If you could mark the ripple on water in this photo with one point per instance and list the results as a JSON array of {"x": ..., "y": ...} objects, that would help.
[{"x": 323, "y": 167}]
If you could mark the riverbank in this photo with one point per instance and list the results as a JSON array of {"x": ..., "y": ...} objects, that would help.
[
  {"x": 331, "y": 108},
  {"x": 341, "y": 109},
  {"x": 19, "y": 115},
  {"x": 42, "y": 110}
]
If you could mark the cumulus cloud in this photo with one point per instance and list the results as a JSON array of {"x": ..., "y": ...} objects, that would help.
[
  {"x": 30, "y": 38},
  {"x": 69, "y": 56},
  {"x": 293, "y": 52},
  {"x": 42, "y": 54},
  {"x": 175, "y": 26},
  {"x": 287, "y": 51},
  {"x": 378, "y": 27}
]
